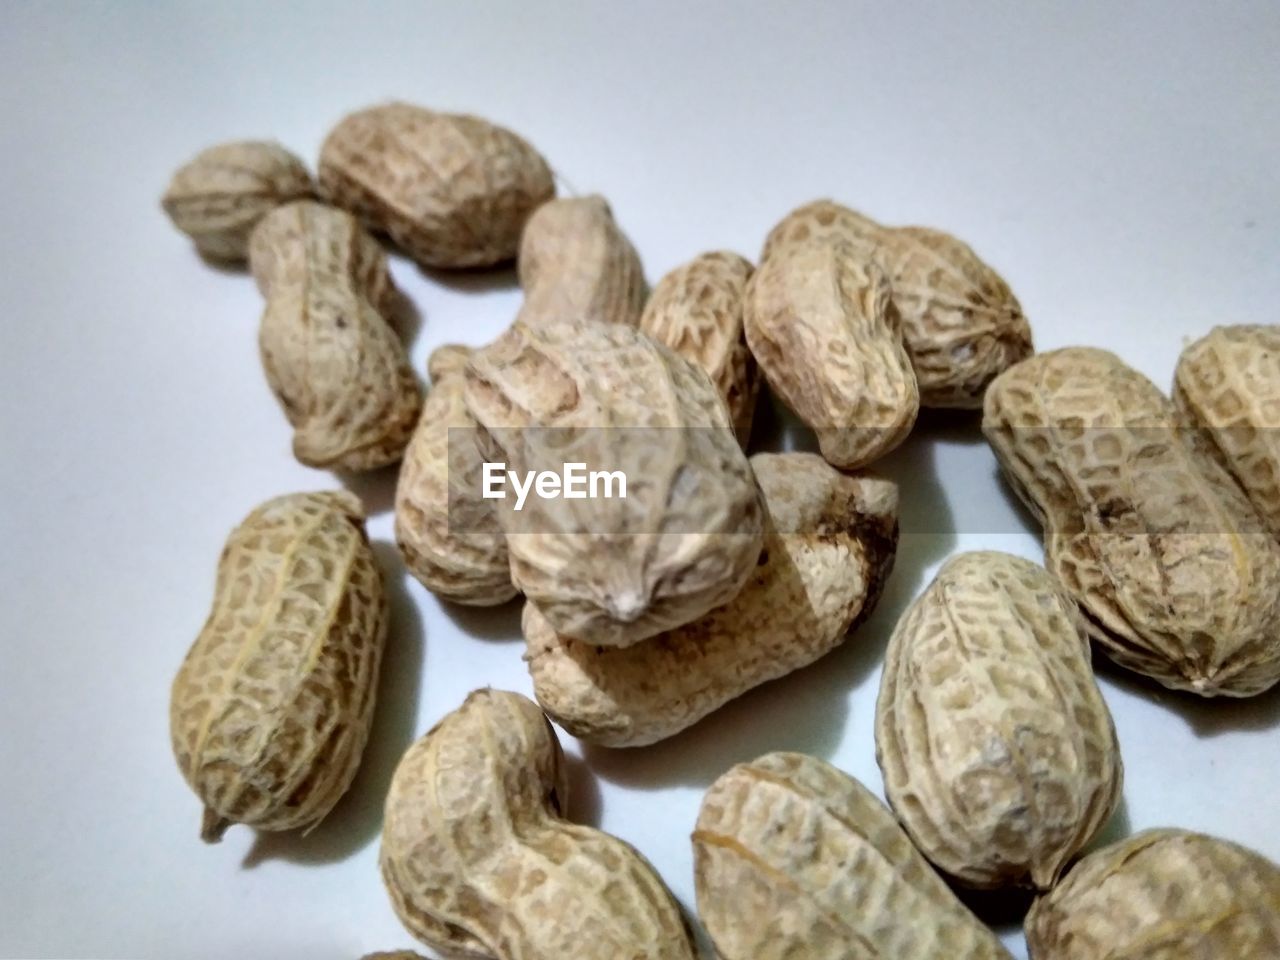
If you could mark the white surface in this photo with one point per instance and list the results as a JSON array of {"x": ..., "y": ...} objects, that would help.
[{"x": 1115, "y": 161}]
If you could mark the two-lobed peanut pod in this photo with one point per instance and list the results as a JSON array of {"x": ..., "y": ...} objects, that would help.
[
  {"x": 998, "y": 752},
  {"x": 615, "y": 569},
  {"x": 451, "y": 190},
  {"x": 830, "y": 541},
  {"x": 1171, "y": 565},
  {"x": 793, "y": 858},
  {"x": 696, "y": 310},
  {"x": 271, "y": 708},
  {"x": 479, "y": 861},
  {"x": 1161, "y": 895},
  {"x": 331, "y": 356},
  {"x": 448, "y": 535}
]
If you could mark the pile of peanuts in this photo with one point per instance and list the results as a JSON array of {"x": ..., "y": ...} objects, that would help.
[{"x": 722, "y": 570}]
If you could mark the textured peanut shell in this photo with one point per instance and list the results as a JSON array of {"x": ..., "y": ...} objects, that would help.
[
  {"x": 998, "y": 752},
  {"x": 218, "y": 197},
  {"x": 696, "y": 310},
  {"x": 1228, "y": 386},
  {"x": 449, "y": 537},
  {"x": 270, "y": 711},
  {"x": 1161, "y": 895},
  {"x": 451, "y": 190},
  {"x": 1166, "y": 557},
  {"x": 829, "y": 545},
  {"x": 961, "y": 323},
  {"x": 480, "y": 862},
  {"x": 821, "y": 324},
  {"x": 685, "y": 539},
  {"x": 576, "y": 262},
  {"x": 795, "y": 859},
  {"x": 331, "y": 357}
]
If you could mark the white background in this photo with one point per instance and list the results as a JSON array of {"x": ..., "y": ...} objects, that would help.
[{"x": 1117, "y": 162}]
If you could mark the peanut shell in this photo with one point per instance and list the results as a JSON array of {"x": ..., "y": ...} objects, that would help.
[
  {"x": 829, "y": 545},
  {"x": 270, "y": 711}
]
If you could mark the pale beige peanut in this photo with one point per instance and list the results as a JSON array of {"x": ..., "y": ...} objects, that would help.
[
  {"x": 452, "y": 190},
  {"x": 480, "y": 861},
  {"x": 829, "y": 545},
  {"x": 793, "y": 858},
  {"x": 1228, "y": 386},
  {"x": 961, "y": 324},
  {"x": 271, "y": 708},
  {"x": 331, "y": 356},
  {"x": 575, "y": 261},
  {"x": 1166, "y": 557},
  {"x": 821, "y": 324},
  {"x": 448, "y": 535},
  {"x": 998, "y": 752},
  {"x": 696, "y": 310},
  {"x": 1161, "y": 895},
  {"x": 615, "y": 570},
  {"x": 218, "y": 197}
]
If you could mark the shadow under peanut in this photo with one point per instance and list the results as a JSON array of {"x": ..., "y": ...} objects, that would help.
[{"x": 356, "y": 820}]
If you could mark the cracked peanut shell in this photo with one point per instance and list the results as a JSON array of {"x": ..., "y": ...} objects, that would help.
[
  {"x": 1161, "y": 895},
  {"x": 696, "y": 310},
  {"x": 830, "y": 541},
  {"x": 331, "y": 356},
  {"x": 793, "y": 858},
  {"x": 271, "y": 708},
  {"x": 480, "y": 861},
  {"x": 998, "y": 752},
  {"x": 1169, "y": 562},
  {"x": 452, "y": 190},
  {"x": 615, "y": 570}
]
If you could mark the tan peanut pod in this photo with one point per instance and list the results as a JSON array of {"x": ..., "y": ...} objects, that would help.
[
  {"x": 998, "y": 752},
  {"x": 1167, "y": 559},
  {"x": 696, "y": 310},
  {"x": 821, "y": 324},
  {"x": 823, "y": 221},
  {"x": 270, "y": 711},
  {"x": 480, "y": 862},
  {"x": 686, "y": 536},
  {"x": 452, "y": 190},
  {"x": 1228, "y": 386},
  {"x": 449, "y": 537},
  {"x": 829, "y": 545},
  {"x": 1161, "y": 895},
  {"x": 793, "y": 858},
  {"x": 331, "y": 357},
  {"x": 576, "y": 262},
  {"x": 218, "y": 197},
  {"x": 961, "y": 323}
]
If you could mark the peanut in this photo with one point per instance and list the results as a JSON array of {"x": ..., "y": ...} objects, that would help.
[
  {"x": 271, "y": 709},
  {"x": 218, "y": 197},
  {"x": 998, "y": 752},
  {"x": 961, "y": 324},
  {"x": 480, "y": 862},
  {"x": 830, "y": 541},
  {"x": 1161, "y": 895},
  {"x": 449, "y": 537},
  {"x": 334, "y": 362},
  {"x": 1228, "y": 386},
  {"x": 688, "y": 532},
  {"x": 696, "y": 310},
  {"x": 1151, "y": 537},
  {"x": 575, "y": 262},
  {"x": 451, "y": 190},
  {"x": 793, "y": 858},
  {"x": 820, "y": 323}
]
